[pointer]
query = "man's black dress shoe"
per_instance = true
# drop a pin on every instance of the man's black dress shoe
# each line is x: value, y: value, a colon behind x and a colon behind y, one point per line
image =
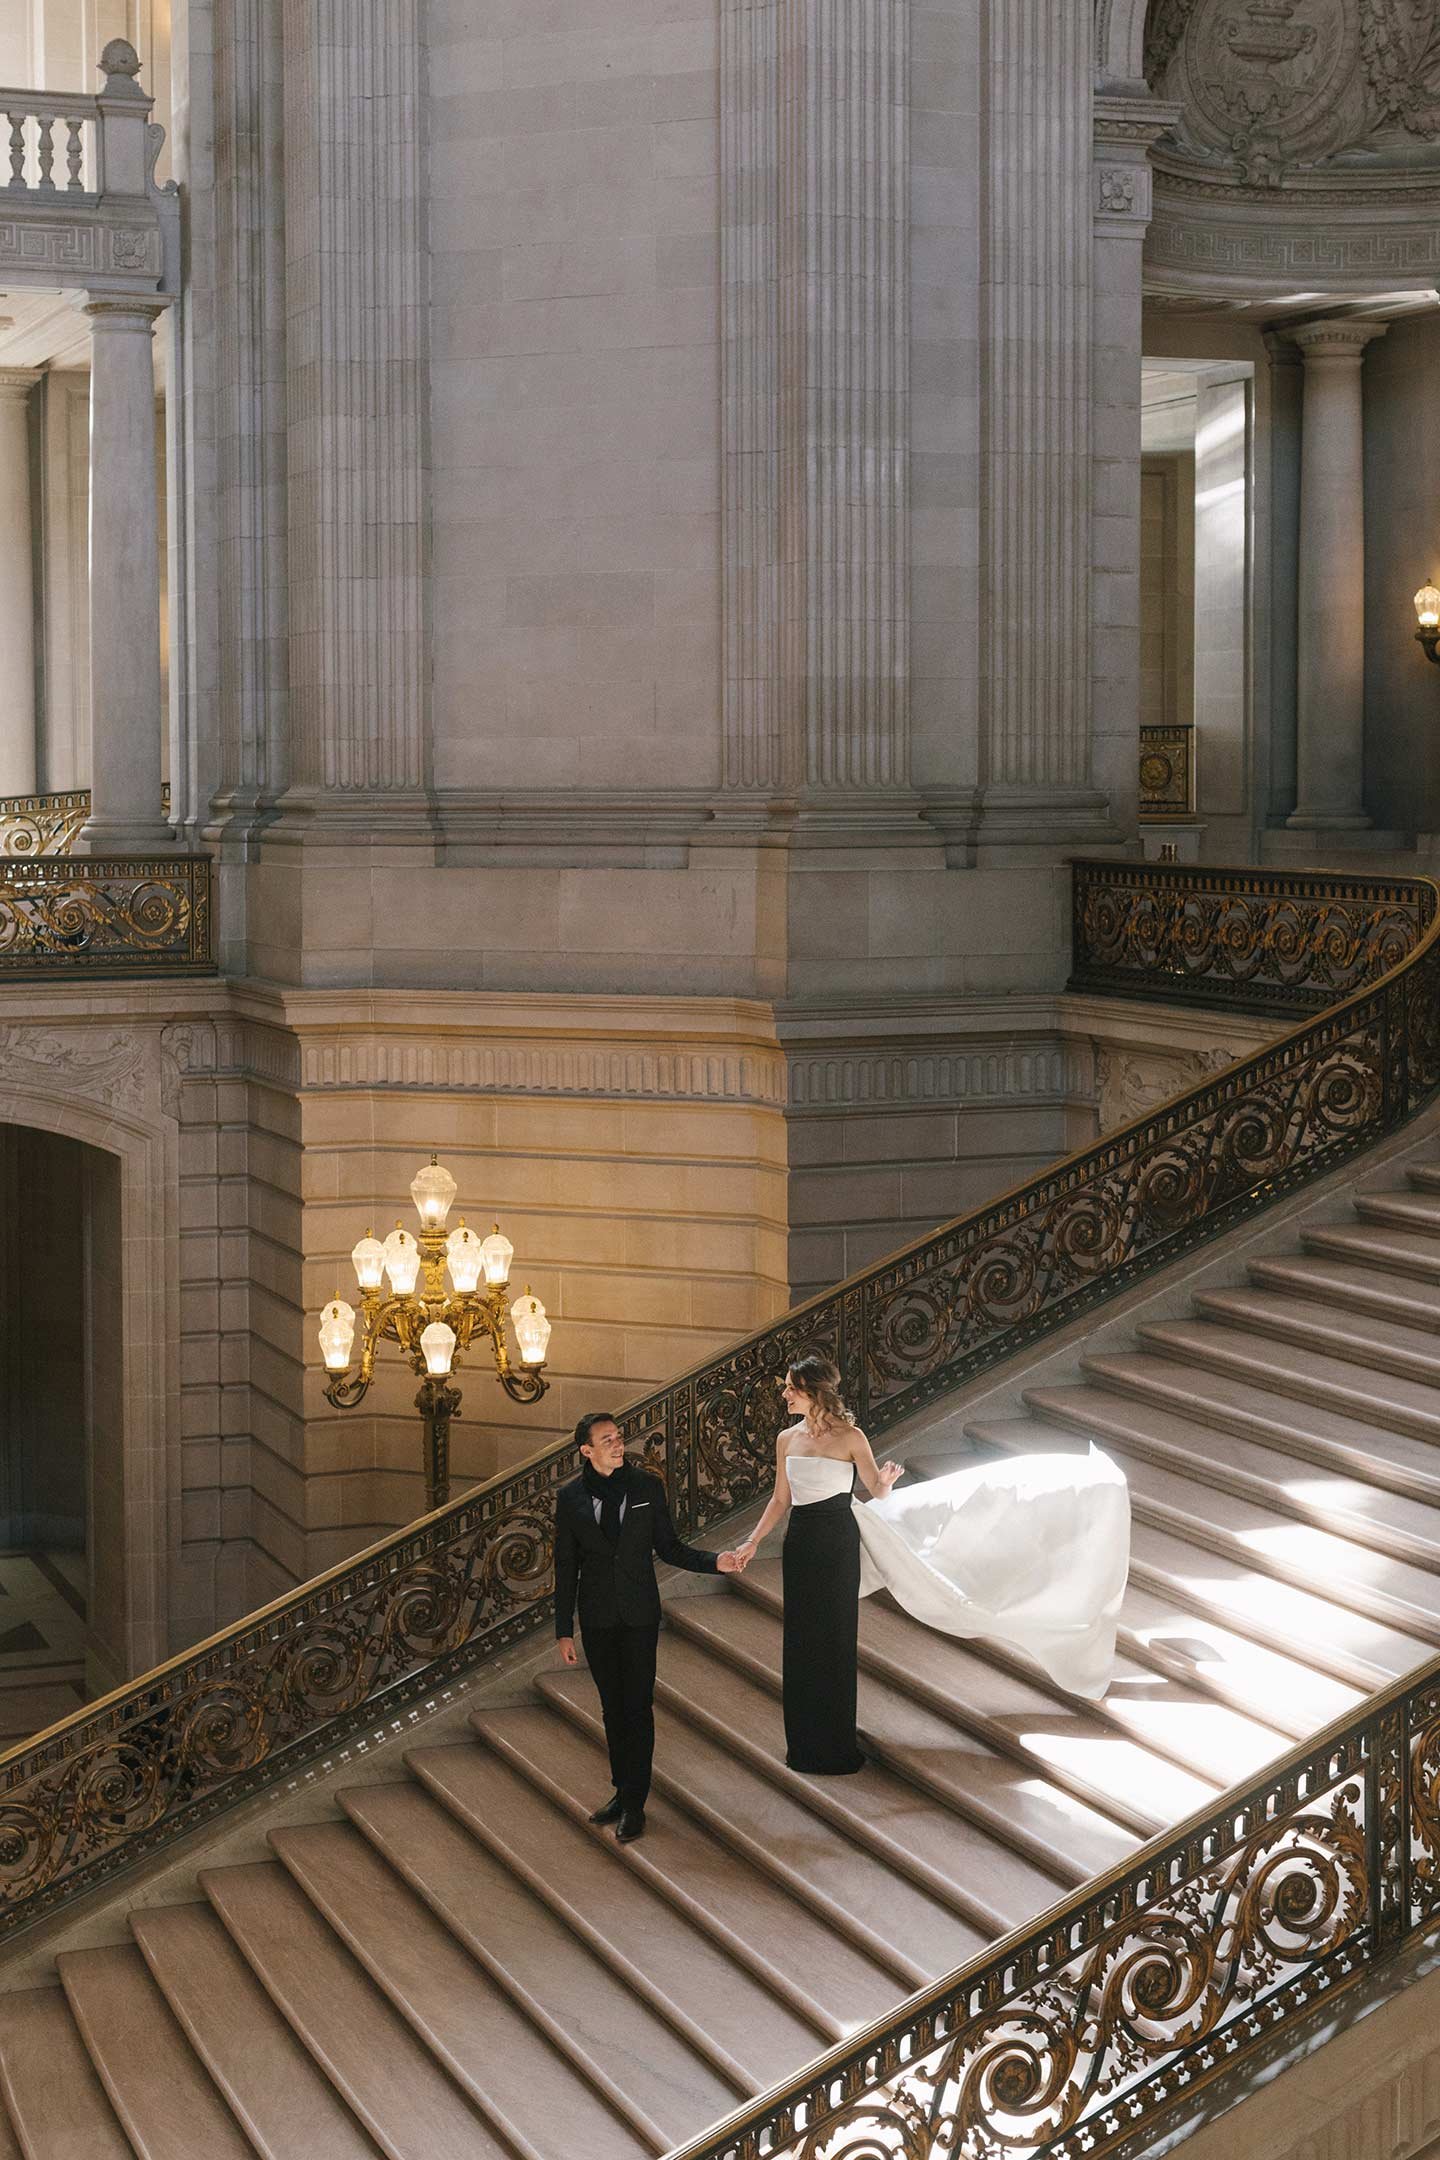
x: 611, y: 1812
x: 632, y: 1825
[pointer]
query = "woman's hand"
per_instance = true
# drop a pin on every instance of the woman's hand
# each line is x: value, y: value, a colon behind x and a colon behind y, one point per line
x: 890, y: 1475
x: 744, y: 1554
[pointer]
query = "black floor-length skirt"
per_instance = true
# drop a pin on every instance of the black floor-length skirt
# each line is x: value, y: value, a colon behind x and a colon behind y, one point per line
x: 821, y: 1566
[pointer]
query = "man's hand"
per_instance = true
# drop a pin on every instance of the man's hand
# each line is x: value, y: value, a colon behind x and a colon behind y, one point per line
x: 732, y: 1563
x: 569, y: 1655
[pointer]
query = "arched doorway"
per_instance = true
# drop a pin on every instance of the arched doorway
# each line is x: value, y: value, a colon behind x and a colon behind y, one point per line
x: 63, y: 1593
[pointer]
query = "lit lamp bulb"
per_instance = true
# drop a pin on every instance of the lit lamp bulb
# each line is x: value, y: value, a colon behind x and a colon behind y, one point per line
x: 438, y: 1343
x: 402, y: 1260
x: 337, y: 1334
x: 499, y: 1252
x: 532, y: 1329
x: 368, y: 1258
x: 433, y: 1190
x: 1427, y: 607
x: 467, y: 1257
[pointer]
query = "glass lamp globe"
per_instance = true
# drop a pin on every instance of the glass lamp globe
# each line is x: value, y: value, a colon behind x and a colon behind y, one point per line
x: 369, y: 1262
x: 499, y: 1252
x: 466, y: 1258
x: 337, y: 1335
x: 532, y: 1329
x: 402, y: 1260
x: 433, y: 1190
x: 438, y: 1343
x: 1427, y: 607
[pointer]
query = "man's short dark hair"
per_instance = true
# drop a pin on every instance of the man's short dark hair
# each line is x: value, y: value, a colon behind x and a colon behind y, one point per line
x: 587, y: 1424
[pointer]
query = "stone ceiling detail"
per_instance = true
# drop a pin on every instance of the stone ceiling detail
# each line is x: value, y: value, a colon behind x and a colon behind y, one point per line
x: 1308, y: 143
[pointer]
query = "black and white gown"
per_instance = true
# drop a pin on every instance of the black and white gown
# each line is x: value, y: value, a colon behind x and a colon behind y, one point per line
x: 1033, y: 1551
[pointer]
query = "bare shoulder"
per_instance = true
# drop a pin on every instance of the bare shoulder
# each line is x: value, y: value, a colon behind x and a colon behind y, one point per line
x: 784, y: 1438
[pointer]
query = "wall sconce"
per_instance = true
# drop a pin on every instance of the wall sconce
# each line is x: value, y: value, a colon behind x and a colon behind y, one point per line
x: 1427, y: 607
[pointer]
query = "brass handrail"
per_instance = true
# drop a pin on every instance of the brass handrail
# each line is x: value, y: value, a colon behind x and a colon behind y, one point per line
x: 108, y: 1787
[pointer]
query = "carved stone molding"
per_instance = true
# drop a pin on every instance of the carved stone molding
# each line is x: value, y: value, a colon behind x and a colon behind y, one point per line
x: 986, y: 1076
x: 115, y: 1066
x: 534, y: 1068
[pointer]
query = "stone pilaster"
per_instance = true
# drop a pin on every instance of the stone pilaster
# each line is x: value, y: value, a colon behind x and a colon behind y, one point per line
x: 17, y: 586
x: 1331, y: 631
x: 816, y: 425
x: 355, y: 302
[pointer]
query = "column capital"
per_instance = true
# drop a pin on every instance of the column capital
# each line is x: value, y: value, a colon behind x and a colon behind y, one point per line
x: 107, y: 309
x: 16, y: 383
x: 1339, y: 337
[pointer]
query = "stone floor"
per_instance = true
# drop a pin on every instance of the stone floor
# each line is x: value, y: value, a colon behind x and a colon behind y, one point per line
x: 42, y: 1640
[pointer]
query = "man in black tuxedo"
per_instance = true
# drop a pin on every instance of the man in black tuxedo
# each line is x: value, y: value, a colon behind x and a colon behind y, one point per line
x: 609, y: 1525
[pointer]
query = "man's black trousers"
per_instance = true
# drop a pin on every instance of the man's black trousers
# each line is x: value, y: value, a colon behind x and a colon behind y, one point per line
x: 622, y: 1660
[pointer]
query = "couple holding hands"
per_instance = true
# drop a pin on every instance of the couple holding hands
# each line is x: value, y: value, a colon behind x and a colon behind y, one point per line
x: 1033, y: 1550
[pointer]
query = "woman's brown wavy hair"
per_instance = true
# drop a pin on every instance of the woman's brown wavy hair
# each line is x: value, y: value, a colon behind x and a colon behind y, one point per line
x: 821, y: 1382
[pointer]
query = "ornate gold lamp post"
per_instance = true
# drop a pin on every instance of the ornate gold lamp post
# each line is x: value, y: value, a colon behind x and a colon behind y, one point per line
x: 434, y: 1326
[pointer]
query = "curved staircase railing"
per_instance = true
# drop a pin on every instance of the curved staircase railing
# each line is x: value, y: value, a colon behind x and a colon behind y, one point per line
x: 1177, y: 1953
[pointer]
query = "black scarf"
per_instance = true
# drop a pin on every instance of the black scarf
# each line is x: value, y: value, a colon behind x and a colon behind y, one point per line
x: 610, y: 1492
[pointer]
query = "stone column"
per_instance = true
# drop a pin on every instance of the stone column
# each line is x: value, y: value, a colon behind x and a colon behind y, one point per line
x: 1331, y: 663
x: 127, y: 714
x: 815, y: 251
x: 17, y: 587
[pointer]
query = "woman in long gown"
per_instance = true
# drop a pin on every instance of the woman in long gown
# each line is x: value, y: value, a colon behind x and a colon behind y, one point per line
x: 815, y: 1464
x: 1032, y: 1550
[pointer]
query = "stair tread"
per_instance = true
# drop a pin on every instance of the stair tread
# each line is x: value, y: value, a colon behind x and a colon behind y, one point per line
x: 1271, y: 1418
x: 773, y: 1825
x: 1221, y: 1745
x: 1406, y: 1346
x: 1283, y: 1366
x: 1351, y: 1506
x: 1341, y: 1281
x: 947, y: 1762
x: 56, y: 2101
x: 9, y: 2143
x: 1057, y: 1737
x: 1251, y: 1673
x: 1415, y: 1209
x: 157, y: 2085
x: 402, y: 2095
x: 805, y: 1949
x: 1406, y: 1596
x: 1413, y: 1254
x: 616, y: 2030
x: 274, y: 2088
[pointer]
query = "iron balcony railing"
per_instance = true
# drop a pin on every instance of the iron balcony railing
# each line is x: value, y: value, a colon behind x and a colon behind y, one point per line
x: 104, y: 916
x: 1072, y: 2034
x: 49, y: 824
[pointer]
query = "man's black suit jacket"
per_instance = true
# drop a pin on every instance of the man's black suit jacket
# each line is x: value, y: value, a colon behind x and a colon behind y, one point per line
x: 614, y: 1585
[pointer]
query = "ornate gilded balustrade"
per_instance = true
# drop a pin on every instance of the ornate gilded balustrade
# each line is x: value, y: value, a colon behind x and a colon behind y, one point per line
x: 42, y: 824
x: 1278, y: 941
x: 1083, y: 2026
x: 99, y: 915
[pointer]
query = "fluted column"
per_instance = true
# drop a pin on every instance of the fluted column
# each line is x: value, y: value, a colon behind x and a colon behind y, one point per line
x: 1038, y: 241
x: 1331, y: 631
x: 355, y: 388
x: 17, y: 587
x: 127, y: 715
x: 815, y: 170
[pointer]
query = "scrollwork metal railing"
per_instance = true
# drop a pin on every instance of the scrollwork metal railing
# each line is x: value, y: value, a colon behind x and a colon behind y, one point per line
x: 104, y: 916
x: 1059, y: 2041
x: 42, y: 824
x: 1278, y: 941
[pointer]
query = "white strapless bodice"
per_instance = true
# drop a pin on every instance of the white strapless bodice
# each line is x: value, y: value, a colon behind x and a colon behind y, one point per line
x: 817, y: 1477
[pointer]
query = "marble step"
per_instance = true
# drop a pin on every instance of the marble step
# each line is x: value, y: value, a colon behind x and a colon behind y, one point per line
x: 274, y: 2089
x: 487, y: 2043
x: 1405, y: 1348
x: 52, y: 2092
x: 157, y: 2085
x: 1265, y: 1542
x: 1168, y: 1637
x: 921, y: 1689
x: 969, y: 1840
x: 1425, y: 1177
x: 784, y: 1928
x: 1190, y: 1551
x: 10, y: 2148
x: 983, y: 1680
x: 1352, y: 1286
x: 1353, y: 1447
x: 605, y: 2012
x: 1280, y: 1368
x: 386, y: 2076
x: 1338, y: 1502
x: 773, y: 1825
x: 1412, y: 1253
x: 1401, y: 1210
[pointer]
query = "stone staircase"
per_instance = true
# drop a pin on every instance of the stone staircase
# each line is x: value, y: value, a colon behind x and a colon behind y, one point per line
x: 457, y: 1965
